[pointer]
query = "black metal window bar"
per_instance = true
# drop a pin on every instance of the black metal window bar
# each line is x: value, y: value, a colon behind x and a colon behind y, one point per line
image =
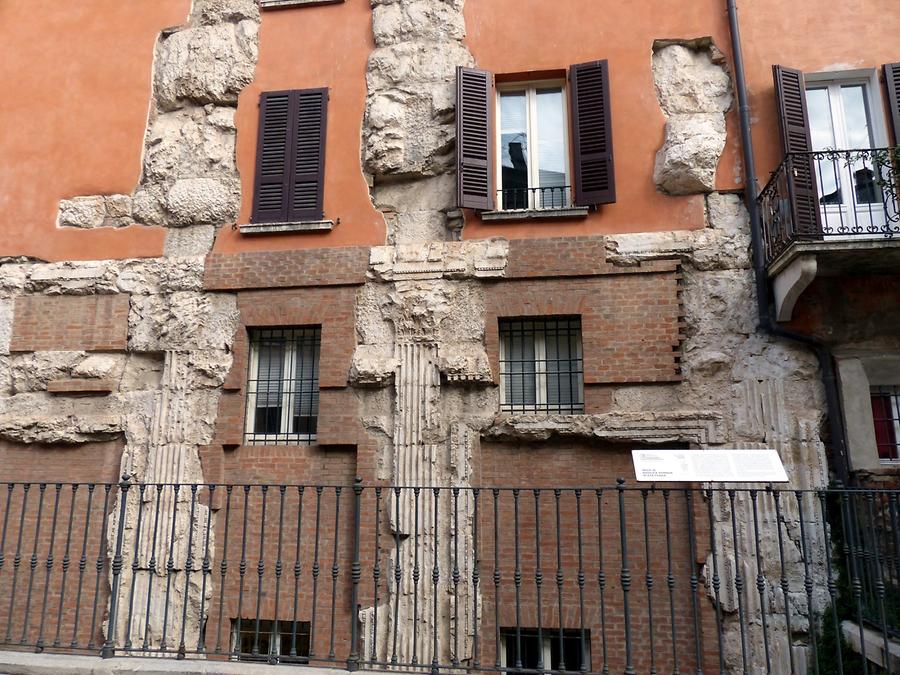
x: 615, y: 578
x: 855, y: 197
x: 541, y: 365
x: 283, y: 386
x: 886, y: 416
x: 535, y: 198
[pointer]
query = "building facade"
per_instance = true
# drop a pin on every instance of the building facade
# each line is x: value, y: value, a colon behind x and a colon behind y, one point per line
x: 474, y: 251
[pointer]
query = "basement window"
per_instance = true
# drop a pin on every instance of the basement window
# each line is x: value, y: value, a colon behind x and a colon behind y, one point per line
x: 541, y: 365
x: 886, y: 416
x: 270, y: 641
x: 549, y: 649
x: 283, y: 386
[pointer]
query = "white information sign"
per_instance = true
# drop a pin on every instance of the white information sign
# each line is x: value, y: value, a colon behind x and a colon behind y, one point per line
x: 725, y: 466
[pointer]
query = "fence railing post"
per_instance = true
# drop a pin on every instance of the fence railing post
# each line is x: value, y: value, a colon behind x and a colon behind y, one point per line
x: 109, y: 648
x: 355, y: 574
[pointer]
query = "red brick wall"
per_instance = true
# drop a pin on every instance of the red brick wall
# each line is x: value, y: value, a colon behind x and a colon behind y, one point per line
x: 576, y: 465
x: 629, y: 323
x: 279, y: 269
x: 64, y: 322
x: 333, y: 308
x: 86, y: 462
x: 570, y: 256
x: 64, y: 530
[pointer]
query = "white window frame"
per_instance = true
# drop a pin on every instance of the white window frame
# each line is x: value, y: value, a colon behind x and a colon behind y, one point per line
x: 287, y: 398
x: 832, y: 82
x: 530, y: 88
x: 540, y: 363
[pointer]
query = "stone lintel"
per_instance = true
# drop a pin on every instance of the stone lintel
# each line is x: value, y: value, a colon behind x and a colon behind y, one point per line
x: 536, y: 214
x: 702, y: 427
x: 273, y: 228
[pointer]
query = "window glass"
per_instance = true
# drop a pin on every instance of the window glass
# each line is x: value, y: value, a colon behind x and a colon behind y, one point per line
x: 551, y: 134
x: 541, y: 365
x: 283, y: 386
x: 856, y: 116
x: 514, y: 149
x: 821, y: 131
x: 886, y: 416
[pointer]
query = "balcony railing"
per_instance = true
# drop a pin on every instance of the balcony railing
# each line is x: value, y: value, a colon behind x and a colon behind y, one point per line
x: 599, y: 579
x: 831, y: 195
x: 535, y: 198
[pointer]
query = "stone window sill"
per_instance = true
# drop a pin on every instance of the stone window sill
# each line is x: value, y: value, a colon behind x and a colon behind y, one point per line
x: 279, y: 4
x: 303, y: 226
x: 536, y: 214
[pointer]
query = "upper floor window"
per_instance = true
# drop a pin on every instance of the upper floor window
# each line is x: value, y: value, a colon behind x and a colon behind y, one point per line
x: 541, y: 365
x: 516, y: 136
x: 290, y: 159
x: 283, y: 386
x: 838, y: 175
x: 533, y: 153
x: 886, y: 416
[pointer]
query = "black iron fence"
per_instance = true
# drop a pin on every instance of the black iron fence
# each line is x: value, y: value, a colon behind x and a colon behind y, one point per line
x: 603, y: 579
x: 831, y: 195
x: 535, y: 198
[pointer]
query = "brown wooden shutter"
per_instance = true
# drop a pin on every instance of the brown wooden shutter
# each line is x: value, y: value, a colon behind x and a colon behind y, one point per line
x: 892, y: 82
x: 790, y: 96
x: 308, y: 175
x: 595, y: 181
x: 473, y: 138
x: 273, y: 150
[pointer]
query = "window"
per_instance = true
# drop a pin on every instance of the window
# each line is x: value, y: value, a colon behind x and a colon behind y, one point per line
x: 541, y: 365
x: 289, y: 643
x: 290, y: 156
x: 529, y: 652
x: 886, y: 416
x: 533, y: 150
x: 516, y: 137
x: 843, y: 116
x: 283, y: 386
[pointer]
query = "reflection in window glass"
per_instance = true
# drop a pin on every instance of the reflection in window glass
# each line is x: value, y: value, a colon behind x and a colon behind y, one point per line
x: 514, y: 149
x: 856, y: 117
x: 821, y: 131
x: 551, y: 147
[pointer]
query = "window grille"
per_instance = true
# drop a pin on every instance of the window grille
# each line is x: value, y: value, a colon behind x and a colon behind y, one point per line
x: 283, y: 386
x: 541, y: 365
x: 253, y: 640
x: 886, y: 415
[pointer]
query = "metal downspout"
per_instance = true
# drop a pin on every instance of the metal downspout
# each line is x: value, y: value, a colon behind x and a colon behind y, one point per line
x: 766, y: 319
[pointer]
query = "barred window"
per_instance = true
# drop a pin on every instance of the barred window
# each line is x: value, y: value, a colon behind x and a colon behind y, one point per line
x: 264, y: 640
x: 541, y: 365
x: 283, y: 386
x: 886, y: 415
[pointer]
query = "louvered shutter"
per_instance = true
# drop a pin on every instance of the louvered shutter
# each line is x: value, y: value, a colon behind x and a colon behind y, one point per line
x: 790, y: 96
x: 595, y: 181
x: 272, y: 185
x: 308, y: 170
x: 473, y: 139
x: 892, y: 81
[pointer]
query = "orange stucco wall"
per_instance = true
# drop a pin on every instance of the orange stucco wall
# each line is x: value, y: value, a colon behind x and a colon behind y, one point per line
x: 77, y: 83
x: 306, y: 47
x: 813, y: 37
x: 513, y: 36
x: 76, y: 89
